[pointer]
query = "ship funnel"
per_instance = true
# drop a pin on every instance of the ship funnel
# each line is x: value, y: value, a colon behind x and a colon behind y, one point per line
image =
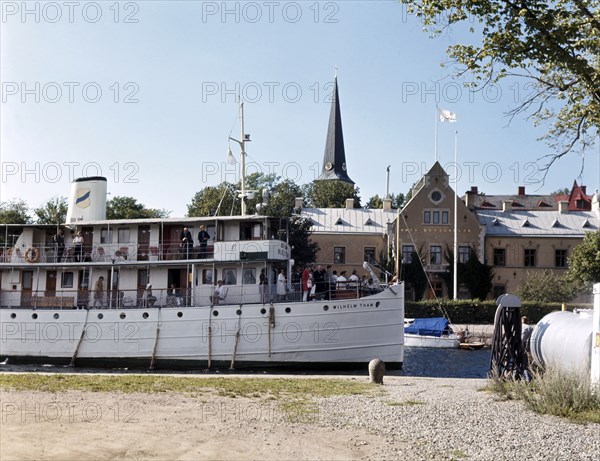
x: 87, y: 200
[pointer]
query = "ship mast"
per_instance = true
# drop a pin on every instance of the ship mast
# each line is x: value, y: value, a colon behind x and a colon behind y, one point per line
x: 242, y: 142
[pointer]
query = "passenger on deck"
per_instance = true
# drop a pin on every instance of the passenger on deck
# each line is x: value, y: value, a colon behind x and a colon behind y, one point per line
x: 187, y: 243
x: 219, y: 294
x: 150, y: 299
x: 203, y: 238
x: 99, y: 292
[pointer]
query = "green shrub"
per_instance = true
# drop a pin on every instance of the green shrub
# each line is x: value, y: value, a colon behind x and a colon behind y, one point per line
x: 479, y: 312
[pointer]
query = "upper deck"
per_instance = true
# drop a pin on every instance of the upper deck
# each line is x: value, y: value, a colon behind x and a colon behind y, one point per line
x: 233, y: 238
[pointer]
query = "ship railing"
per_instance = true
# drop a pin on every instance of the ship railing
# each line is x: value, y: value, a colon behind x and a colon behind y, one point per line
x: 204, y: 295
x: 112, y: 252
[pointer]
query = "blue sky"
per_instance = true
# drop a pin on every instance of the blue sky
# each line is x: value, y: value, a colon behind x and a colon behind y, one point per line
x: 143, y: 93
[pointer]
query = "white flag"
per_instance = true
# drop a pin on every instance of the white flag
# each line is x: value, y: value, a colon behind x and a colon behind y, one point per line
x: 230, y: 158
x: 446, y: 116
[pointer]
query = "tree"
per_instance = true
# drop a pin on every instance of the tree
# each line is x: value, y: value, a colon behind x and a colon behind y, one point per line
x: 377, y: 202
x: 414, y: 274
x: 563, y: 191
x: 554, y: 45
x: 304, y: 250
x: 477, y: 276
x: 53, y: 212
x: 14, y: 212
x: 218, y: 200
x: 129, y: 208
x: 544, y: 286
x: 281, y: 199
x: 584, y: 262
x: 331, y: 194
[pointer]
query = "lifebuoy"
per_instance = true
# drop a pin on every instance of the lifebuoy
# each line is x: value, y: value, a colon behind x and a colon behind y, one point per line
x: 32, y: 255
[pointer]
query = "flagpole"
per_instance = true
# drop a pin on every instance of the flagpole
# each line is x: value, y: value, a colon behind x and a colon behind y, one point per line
x: 436, y: 133
x: 455, y: 286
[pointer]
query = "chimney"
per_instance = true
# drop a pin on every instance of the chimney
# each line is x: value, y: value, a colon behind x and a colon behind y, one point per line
x: 470, y: 197
x: 506, y: 205
x: 563, y: 206
x: 521, y: 191
x: 387, y: 204
x: 298, y: 203
x: 349, y: 203
x: 583, y: 188
x: 87, y: 200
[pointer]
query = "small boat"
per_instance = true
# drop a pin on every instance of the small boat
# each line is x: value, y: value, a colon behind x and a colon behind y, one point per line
x: 430, y: 332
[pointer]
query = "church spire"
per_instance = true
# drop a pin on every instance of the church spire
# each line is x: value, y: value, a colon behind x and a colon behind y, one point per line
x: 334, y: 159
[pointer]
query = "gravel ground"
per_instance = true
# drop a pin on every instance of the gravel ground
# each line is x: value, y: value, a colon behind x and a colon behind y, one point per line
x: 412, y: 419
x: 454, y: 419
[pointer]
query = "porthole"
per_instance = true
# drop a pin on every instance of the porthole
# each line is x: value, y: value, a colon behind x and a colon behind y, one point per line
x: 216, y: 313
x: 145, y: 315
x: 238, y: 312
x: 263, y: 311
x: 122, y: 316
x: 100, y: 316
x: 288, y: 310
x: 13, y: 316
x: 34, y: 316
x: 325, y: 307
x: 179, y: 314
x: 56, y: 316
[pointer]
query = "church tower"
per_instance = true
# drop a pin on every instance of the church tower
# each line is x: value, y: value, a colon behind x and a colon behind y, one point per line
x: 334, y: 158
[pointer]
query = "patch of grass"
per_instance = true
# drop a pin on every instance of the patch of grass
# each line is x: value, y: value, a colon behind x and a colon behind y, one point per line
x: 458, y: 454
x: 294, y: 395
x: 556, y: 392
x: 405, y: 403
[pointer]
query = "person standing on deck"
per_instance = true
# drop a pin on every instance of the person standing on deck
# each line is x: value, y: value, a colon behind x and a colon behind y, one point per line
x: 59, y: 242
x: 203, y: 238
x: 187, y: 243
x: 281, y: 288
x: 99, y: 291
x: 78, y: 243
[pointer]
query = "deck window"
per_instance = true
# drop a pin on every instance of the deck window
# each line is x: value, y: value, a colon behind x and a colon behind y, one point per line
x: 207, y: 276
x: 123, y: 235
x: 249, y: 276
x: 106, y: 236
x: 229, y: 276
x: 67, y: 280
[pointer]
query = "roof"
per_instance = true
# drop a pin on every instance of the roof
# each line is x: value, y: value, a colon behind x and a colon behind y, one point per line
x: 346, y: 221
x: 538, y: 223
x: 523, y: 202
x: 334, y: 158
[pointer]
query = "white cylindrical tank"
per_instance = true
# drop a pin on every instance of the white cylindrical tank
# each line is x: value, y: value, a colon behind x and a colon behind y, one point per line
x: 87, y: 200
x: 563, y: 339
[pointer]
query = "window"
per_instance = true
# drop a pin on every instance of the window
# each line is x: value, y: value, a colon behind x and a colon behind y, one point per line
x: 229, y: 276
x: 249, y: 276
x: 436, y: 217
x: 339, y: 255
x: 499, y: 257
x: 463, y: 254
x: 207, y: 276
x: 529, y: 257
x: 123, y: 235
x: 435, y: 254
x: 499, y: 290
x: 560, y: 258
x: 370, y: 255
x: 106, y: 235
x: 407, y: 251
x: 67, y: 280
